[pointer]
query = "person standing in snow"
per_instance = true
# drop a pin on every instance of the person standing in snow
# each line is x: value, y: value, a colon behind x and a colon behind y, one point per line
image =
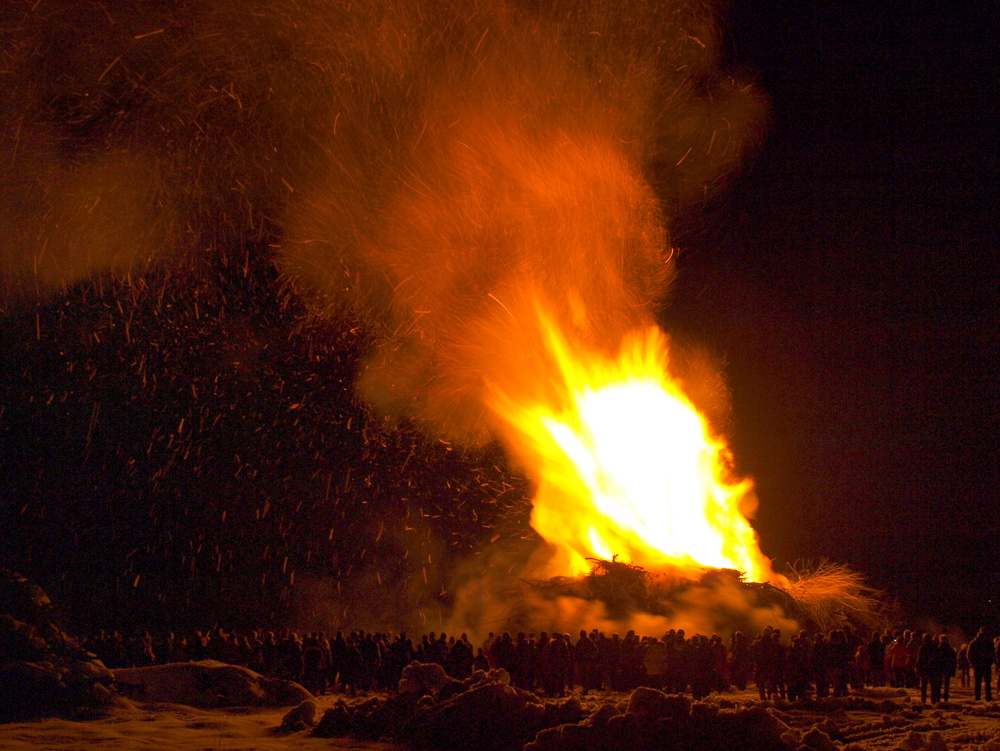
x: 949, y: 662
x: 981, y: 658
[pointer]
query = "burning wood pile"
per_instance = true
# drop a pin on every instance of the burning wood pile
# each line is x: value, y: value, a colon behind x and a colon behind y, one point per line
x: 626, y: 589
x: 617, y: 596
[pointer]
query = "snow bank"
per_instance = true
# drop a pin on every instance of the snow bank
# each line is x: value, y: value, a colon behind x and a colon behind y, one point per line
x: 207, y: 684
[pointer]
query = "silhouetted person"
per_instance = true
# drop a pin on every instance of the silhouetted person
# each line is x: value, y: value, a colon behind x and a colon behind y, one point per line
x: 930, y: 669
x: 460, y: 659
x: 739, y: 663
x: 503, y: 653
x: 798, y: 668
x: 996, y: 650
x: 556, y: 662
x: 702, y: 667
x: 981, y: 658
x: 949, y: 664
x: 963, y: 665
x: 315, y: 664
x: 876, y: 658
x: 481, y: 661
x: 655, y: 661
x: 838, y: 660
x: 720, y: 666
x: 587, y: 668
x: 898, y: 657
x: 522, y: 668
x: 821, y: 665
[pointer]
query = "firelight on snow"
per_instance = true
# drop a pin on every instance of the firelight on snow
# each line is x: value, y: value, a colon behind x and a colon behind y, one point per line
x: 626, y: 466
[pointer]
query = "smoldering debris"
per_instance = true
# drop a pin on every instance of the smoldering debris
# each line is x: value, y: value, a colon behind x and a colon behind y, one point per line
x: 615, y: 597
x: 625, y: 589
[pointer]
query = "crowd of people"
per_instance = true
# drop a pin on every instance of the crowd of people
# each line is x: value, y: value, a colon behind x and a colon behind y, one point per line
x: 817, y: 664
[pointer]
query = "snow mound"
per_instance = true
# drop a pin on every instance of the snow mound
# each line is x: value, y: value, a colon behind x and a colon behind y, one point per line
x: 485, y: 713
x: 207, y: 684
x: 44, y: 672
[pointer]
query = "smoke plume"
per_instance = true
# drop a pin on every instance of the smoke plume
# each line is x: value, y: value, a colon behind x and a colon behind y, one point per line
x: 429, y: 169
x: 435, y: 172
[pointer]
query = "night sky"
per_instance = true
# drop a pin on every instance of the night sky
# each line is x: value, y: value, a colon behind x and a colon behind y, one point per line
x: 850, y: 282
x: 197, y: 454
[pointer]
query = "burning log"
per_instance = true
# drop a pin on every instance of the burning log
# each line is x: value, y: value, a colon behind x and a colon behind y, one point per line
x: 621, y: 586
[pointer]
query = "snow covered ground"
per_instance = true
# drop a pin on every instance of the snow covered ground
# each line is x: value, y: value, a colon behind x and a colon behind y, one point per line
x: 962, y: 725
x: 173, y: 727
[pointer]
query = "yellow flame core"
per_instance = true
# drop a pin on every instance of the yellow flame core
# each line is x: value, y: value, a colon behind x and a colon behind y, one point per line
x: 626, y: 466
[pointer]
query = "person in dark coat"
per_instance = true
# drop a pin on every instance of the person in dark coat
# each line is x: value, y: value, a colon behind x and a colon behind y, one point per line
x: 481, y: 661
x: 981, y: 658
x: 524, y: 662
x: 587, y: 668
x: 876, y: 658
x: 557, y: 659
x: 739, y: 661
x: 930, y: 668
x: 675, y: 678
x: 838, y: 660
x: 315, y: 664
x: 760, y: 655
x: 398, y: 655
x: 460, y: 658
x: 503, y: 653
x: 949, y: 664
x: 702, y: 667
x: 632, y: 667
x: 963, y: 665
x: 996, y: 649
x: 821, y: 665
x: 798, y: 668
x: 610, y: 651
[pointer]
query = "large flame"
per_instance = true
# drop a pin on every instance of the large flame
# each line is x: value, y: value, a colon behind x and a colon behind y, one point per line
x: 626, y: 466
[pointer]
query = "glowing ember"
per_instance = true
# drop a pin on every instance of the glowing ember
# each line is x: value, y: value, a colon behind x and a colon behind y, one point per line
x: 626, y: 466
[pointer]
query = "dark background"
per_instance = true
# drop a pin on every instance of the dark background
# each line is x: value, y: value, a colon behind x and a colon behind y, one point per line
x: 199, y: 457
x: 850, y: 280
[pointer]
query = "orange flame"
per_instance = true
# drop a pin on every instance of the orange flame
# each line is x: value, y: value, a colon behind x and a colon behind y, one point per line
x: 626, y: 466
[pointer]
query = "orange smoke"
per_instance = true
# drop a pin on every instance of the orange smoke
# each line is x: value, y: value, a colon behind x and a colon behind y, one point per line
x: 486, y: 190
x: 625, y: 464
